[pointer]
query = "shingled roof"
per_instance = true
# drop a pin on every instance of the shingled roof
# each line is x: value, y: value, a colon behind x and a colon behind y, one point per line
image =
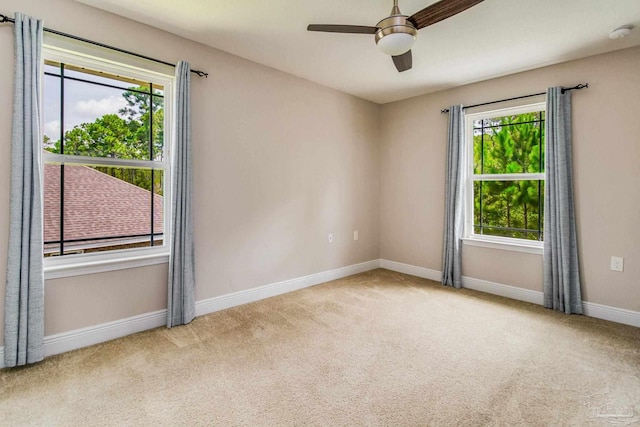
x: 96, y: 205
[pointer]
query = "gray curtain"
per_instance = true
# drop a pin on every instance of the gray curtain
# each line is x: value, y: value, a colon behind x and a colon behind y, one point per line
x: 24, y: 294
x: 181, y: 298
x: 454, y: 199
x: 561, y: 272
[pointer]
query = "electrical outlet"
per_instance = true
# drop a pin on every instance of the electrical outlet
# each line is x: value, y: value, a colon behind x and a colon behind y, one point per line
x: 617, y: 263
x: 330, y: 238
x: 355, y: 235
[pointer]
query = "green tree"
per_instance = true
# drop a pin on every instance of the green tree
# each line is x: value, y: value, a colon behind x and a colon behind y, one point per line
x: 107, y: 136
x: 138, y: 112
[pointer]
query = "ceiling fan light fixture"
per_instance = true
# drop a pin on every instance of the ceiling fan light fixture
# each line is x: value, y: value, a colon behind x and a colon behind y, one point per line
x: 395, y: 35
x: 395, y: 44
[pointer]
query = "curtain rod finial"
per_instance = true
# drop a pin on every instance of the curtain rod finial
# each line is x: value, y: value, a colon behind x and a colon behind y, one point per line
x: 3, y: 19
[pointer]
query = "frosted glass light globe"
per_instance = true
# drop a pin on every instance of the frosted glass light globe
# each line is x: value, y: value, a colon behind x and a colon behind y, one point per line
x: 396, y: 43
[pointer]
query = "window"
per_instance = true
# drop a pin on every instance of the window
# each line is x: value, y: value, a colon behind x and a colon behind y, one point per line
x: 106, y: 159
x: 505, y: 192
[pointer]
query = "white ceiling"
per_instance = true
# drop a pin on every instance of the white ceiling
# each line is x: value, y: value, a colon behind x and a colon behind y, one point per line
x: 494, y: 38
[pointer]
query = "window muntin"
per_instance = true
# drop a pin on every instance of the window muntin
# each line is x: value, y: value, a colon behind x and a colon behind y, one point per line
x: 506, y: 174
x: 106, y: 159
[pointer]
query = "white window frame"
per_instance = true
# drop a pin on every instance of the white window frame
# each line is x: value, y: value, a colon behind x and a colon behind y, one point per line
x: 482, y: 240
x: 81, y: 54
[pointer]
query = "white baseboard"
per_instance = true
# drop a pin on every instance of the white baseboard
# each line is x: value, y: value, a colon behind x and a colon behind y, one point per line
x: 513, y: 292
x: 614, y: 314
x: 222, y: 302
x: 78, y: 338
x: 599, y: 311
x: 412, y: 270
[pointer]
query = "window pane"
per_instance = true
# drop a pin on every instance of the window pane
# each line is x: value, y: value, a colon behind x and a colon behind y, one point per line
x: 509, y: 144
x: 96, y: 123
x: 158, y: 205
x: 105, y: 208
x: 158, y: 127
x: 508, y: 208
x: 145, y: 123
x: 51, y: 210
x: 51, y: 110
x: 102, y: 121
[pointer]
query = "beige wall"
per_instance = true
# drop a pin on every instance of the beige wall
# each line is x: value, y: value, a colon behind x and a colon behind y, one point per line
x: 279, y: 162
x: 606, y: 166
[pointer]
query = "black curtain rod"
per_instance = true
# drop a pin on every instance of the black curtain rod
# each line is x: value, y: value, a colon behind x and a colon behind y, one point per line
x: 4, y: 18
x: 564, y: 89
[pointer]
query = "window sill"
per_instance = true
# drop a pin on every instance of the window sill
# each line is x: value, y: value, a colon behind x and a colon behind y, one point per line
x: 516, y: 245
x: 80, y: 268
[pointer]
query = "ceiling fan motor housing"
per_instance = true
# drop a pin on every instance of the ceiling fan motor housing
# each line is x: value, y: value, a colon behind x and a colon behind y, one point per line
x: 395, y: 35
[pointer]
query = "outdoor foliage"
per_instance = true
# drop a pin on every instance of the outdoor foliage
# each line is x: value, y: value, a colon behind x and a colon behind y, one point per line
x: 125, y: 135
x: 508, y: 145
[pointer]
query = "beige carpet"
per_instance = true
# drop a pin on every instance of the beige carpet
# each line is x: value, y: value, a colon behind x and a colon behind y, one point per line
x: 375, y: 349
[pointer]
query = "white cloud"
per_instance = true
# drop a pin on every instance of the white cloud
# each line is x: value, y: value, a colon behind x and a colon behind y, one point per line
x: 87, y: 111
x: 52, y: 129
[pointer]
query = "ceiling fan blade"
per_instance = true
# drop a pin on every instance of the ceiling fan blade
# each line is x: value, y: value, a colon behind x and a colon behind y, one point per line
x: 403, y: 62
x: 350, y: 29
x: 441, y: 10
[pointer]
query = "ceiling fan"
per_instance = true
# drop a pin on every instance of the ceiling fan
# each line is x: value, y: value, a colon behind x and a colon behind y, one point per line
x: 396, y: 34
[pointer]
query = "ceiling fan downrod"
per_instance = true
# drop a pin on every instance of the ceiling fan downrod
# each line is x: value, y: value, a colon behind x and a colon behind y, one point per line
x: 395, y: 10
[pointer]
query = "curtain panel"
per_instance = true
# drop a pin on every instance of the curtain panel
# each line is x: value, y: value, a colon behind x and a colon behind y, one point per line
x: 561, y: 269
x: 24, y: 292
x: 454, y: 199
x: 181, y: 287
